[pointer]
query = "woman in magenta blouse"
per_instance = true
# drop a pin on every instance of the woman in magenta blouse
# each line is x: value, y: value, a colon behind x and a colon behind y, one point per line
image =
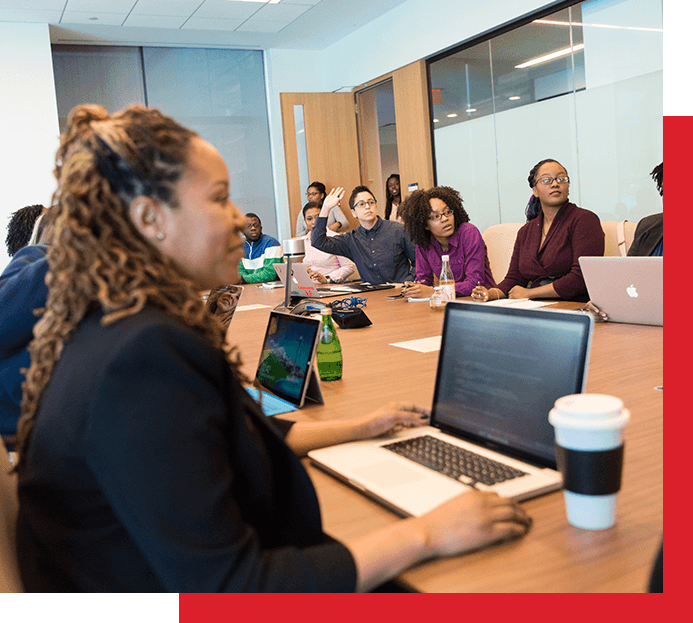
x: 438, y: 225
x: 544, y: 264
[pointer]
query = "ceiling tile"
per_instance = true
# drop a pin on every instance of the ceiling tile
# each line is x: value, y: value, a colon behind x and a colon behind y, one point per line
x: 30, y: 16
x: 100, y: 6
x: 228, y: 10
x: 155, y: 21
x: 36, y: 5
x: 282, y: 12
x: 255, y: 25
x: 104, y: 19
x: 203, y: 23
x: 183, y: 8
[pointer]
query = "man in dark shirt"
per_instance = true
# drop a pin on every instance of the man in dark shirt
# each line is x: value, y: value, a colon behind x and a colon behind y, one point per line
x: 380, y: 249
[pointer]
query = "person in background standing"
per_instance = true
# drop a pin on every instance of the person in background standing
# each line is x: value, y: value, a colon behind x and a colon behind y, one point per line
x: 393, y: 198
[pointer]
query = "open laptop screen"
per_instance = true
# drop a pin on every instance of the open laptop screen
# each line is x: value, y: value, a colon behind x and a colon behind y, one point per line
x: 500, y: 370
x: 287, y: 355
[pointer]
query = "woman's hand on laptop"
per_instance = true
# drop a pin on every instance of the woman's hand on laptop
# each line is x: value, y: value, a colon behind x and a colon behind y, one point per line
x: 471, y: 521
x: 306, y: 436
x: 390, y: 419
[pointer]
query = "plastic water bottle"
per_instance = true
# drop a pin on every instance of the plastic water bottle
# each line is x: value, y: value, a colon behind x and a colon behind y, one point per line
x: 437, y: 302
x: 329, y: 352
x: 447, y: 280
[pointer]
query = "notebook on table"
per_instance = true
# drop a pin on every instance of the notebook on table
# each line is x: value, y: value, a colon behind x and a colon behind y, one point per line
x: 301, y: 283
x: 500, y: 370
x: 629, y: 289
x: 286, y: 371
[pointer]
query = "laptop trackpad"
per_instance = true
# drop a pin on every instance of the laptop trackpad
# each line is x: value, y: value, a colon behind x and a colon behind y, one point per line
x: 388, y: 474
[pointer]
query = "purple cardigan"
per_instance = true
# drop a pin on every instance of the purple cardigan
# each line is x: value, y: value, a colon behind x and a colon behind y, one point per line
x: 468, y: 260
x: 574, y: 232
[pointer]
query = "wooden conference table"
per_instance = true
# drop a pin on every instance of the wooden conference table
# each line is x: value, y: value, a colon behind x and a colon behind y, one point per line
x: 626, y: 361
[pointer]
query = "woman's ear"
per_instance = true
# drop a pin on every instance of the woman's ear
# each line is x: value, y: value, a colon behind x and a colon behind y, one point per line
x: 149, y: 217
x: 534, y: 191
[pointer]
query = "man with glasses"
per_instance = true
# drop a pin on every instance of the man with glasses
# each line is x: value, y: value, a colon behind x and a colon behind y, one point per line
x: 381, y: 250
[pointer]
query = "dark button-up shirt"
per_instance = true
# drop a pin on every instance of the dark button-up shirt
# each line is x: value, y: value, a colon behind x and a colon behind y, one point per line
x: 382, y: 254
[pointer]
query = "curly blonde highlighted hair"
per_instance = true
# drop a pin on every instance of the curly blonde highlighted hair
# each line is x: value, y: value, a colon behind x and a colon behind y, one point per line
x: 97, y: 257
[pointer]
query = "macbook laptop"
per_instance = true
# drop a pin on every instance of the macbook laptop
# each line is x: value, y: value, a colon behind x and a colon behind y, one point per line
x: 500, y: 370
x: 629, y: 289
x: 302, y: 285
x: 286, y: 371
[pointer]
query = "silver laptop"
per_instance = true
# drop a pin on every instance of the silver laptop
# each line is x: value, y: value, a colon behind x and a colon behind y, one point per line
x: 301, y: 283
x: 286, y: 370
x: 500, y: 370
x: 629, y: 289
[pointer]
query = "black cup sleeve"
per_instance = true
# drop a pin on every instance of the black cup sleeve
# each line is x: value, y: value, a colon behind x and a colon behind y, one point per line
x: 590, y: 472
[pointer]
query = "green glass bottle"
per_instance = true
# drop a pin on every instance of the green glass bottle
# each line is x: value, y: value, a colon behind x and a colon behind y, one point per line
x: 329, y: 352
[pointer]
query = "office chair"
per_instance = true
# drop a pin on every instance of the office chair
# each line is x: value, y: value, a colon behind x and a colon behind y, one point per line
x: 500, y: 240
x: 618, y: 236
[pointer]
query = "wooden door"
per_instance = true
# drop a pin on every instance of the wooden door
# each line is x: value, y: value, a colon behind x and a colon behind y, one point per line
x: 331, y: 145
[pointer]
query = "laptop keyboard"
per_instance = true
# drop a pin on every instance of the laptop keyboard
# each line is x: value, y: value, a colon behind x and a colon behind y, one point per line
x: 453, y: 461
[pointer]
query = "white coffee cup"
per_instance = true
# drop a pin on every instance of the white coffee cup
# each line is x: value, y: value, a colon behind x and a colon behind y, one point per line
x: 589, y: 453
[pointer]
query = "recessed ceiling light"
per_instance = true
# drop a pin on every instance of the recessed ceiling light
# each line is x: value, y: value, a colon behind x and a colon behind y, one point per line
x: 552, y: 56
x: 435, y: 120
x: 452, y: 114
x: 470, y: 110
x: 514, y: 97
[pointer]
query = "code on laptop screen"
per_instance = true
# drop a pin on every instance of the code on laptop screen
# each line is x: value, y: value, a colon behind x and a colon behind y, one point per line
x: 501, y: 370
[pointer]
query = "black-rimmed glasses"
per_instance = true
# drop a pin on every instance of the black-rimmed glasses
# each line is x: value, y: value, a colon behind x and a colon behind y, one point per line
x: 363, y: 204
x: 436, y: 216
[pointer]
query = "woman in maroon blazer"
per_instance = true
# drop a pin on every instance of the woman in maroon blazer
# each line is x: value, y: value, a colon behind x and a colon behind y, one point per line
x: 544, y: 264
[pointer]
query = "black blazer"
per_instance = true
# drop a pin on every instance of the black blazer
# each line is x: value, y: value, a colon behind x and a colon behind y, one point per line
x: 648, y: 234
x: 151, y: 469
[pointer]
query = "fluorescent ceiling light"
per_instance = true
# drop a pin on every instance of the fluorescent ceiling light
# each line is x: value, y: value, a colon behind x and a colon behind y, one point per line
x: 452, y: 114
x: 435, y: 121
x: 470, y: 110
x: 514, y: 97
x: 552, y: 56
x: 554, y: 22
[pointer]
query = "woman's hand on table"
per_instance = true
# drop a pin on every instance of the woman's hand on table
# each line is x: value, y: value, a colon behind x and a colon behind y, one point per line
x: 416, y: 290
x: 315, y: 276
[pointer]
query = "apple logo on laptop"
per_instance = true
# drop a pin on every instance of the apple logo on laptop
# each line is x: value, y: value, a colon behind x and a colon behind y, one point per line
x: 632, y: 291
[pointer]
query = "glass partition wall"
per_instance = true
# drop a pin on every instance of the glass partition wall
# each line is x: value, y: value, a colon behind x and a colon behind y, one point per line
x: 218, y: 93
x: 582, y: 85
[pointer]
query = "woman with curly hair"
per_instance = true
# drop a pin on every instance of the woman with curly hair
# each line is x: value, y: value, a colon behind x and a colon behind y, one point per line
x: 544, y: 263
x: 144, y: 465
x: 438, y: 225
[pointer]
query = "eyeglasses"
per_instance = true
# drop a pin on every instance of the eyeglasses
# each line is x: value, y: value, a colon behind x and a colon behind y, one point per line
x: 436, y: 216
x: 313, y: 193
x: 564, y: 179
x: 363, y: 204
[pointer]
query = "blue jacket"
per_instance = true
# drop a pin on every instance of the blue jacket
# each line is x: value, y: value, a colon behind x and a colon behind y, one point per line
x: 259, y: 257
x: 22, y: 290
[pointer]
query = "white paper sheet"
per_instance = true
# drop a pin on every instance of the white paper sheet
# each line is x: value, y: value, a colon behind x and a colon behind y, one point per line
x: 424, y: 345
